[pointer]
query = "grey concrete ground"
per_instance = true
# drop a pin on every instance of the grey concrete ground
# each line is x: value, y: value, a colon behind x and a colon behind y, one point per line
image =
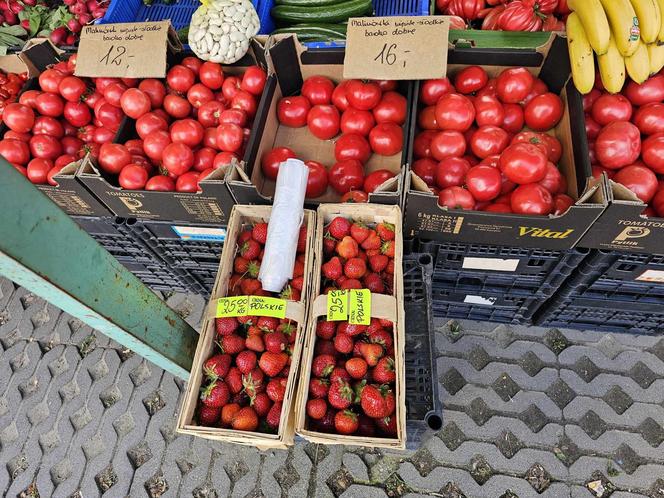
x: 527, y: 412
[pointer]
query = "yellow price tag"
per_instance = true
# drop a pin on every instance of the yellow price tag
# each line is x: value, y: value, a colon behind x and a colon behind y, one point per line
x: 267, y: 306
x: 232, y: 306
x: 337, y: 305
x: 360, y: 307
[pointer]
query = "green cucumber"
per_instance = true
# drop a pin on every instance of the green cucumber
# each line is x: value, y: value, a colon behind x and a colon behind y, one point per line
x: 306, y: 3
x: 323, y: 14
x: 317, y: 31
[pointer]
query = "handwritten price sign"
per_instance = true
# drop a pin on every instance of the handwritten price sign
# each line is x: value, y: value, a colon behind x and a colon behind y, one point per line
x: 352, y: 305
x: 250, y: 305
x: 396, y: 48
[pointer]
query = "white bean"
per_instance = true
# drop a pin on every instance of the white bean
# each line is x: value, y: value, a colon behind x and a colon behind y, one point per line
x: 223, y: 43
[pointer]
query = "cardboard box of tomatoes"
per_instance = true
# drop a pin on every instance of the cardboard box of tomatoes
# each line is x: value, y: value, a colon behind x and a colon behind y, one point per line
x: 60, y: 185
x: 245, y: 369
x: 358, y: 153
x: 505, y: 163
x: 213, y: 132
x: 352, y: 385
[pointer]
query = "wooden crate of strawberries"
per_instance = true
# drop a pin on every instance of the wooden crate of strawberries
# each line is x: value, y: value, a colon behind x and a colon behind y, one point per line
x: 245, y: 368
x: 352, y: 385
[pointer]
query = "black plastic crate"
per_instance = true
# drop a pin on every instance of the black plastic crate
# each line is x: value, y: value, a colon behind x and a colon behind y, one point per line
x: 514, y: 310
x: 423, y: 404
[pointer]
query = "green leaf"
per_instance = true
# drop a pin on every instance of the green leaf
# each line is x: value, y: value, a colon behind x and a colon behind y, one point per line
x: 15, y: 30
x: 35, y: 22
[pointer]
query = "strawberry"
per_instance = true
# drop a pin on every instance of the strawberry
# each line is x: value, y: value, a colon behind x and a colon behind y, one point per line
x: 234, y: 284
x: 387, y: 425
x: 247, y: 320
x: 389, y: 269
x: 382, y: 337
x: 326, y: 424
x: 253, y: 383
x: 316, y: 408
x: 275, y: 342
x: 268, y: 323
x: 240, y: 264
x: 356, y: 368
x: 385, y: 230
x: 250, y: 250
x: 351, y: 283
x: 290, y: 294
x: 272, y: 363
x: 339, y: 227
x: 226, y: 326
x: 351, y: 329
x: 324, y: 347
x: 358, y: 387
x: 322, y: 365
x: 343, y: 343
x: 372, y: 252
x: 339, y: 373
x: 250, y: 286
x: 373, y: 326
x: 371, y: 353
x: 262, y: 404
x: 373, y: 402
x: 208, y: 415
x: 386, y: 323
x: 254, y: 342
x: 328, y: 289
x: 390, y: 399
x: 234, y: 380
x: 289, y: 329
x: 302, y: 239
x: 345, y: 422
x: 276, y: 389
x: 231, y: 344
x: 274, y: 415
x: 374, y: 283
x: 359, y: 231
x: 298, y: 269
x: 387, y: 248
x: 340, y: 395
x: 241, y: 399
x: 259, y: 233
x: 217, y: 366
x: 366, y: 426
x: 216, y: 394
x: 378, y: 262
x: 227, y: 414
x: 329, y: 244
x: 325, y: 329
x: 246, y: 361
x: 244, y: 236
x: 245, y: 420
x: 254, y: 330
x: 333, y: 269
x: 318, y: 388
x: 347, y: 248
x: 363, y: 256
x: 372, y: 241
x: 355, y: 268
x: 383, y: 372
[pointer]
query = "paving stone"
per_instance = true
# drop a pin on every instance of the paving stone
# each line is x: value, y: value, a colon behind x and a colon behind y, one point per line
x: 618, y: 399
x: 560, y: 393
x: 592, y: 424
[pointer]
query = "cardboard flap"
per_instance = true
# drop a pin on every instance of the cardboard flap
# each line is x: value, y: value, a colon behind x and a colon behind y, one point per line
x: 285, y: 55
x: 239, y: 170
x: 38, y: 54
x: 621, y: 193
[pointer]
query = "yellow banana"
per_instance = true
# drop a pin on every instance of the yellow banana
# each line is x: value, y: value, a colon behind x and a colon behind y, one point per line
x: 650, y: 19
x: 594, y: 21
x: 638, y: 65
x: 581, y: 55
x: 656, y: 57
x: 624, y: 25
x: 660, y: 37
x: 612, y: 68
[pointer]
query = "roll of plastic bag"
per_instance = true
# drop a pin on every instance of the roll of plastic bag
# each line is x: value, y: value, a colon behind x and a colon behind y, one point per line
x: 284, y: 227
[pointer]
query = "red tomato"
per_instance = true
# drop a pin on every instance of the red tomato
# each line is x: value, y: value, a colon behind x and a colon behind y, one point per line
x: 323, y: 121
x: 187, y: 182
x: 109, y: 115
x: 498, y: 208
x: 651, y: 91
x: 470, y: 80
x: 592, y: 127
x: 456, y: 198
x: 345, y: 176
x: 148, y: 123
x: 514, y: 119
x: 554, y: 149
x: 49, y: 104
x: 113, y: 93
x: 652, y: 152
x: 352, y: 146
x: 45, y: 125
x: 71, y: 145
x: 133, y: 177
x: 484, y: 182
x: 454, y: 112
x: 155, y: 91
x: 466, y: 9
x: 539, y: 88
x: 489, y: 89
x: 45, y: 147
x: 425, y: 168
x: 639, y: 179
x: 253, y: 80
x: 590, y: 98
x: 230, y: 87
x: 489, y: 141
x: 224, y: 159
x: 72, y: 88
x: 204, y: 158
x: 209, y: 113
x: 23, y: 137
x: 103, y: 136
x: 193, y: 63
x: 234, y: 116
x: 50, y: 79
x: 523, y: 163
x: 187, y: 131
x: 155, y: 143
x: 177, y: 158
x: 339, y: 96
x: 176, y: 106
x: 135, y: 103
x: 28, y: 98
x: 658, y: 202
x: 543, y: 112
x: 15, y: 151
x: 363, y: 96
x: 317, y: 179
x: 18, y: 117
x: 649, y: 119
x: 271, y: 161
x: 561, y: 203
x: 160, y: 183
x: 198, y: 95
x: 489, y: 111
x: 391, y: 109
x: 180, y: 78
x: 432, y: 90
x: 386, y: 85
x: 608, y: 108
x: 519, y: 16
x: 211, y: 75
x: 38, y: 169
x: 229, y: 137
x: 531, y: 199
x: 292, y: 111
x: 77, y: 113
x: 426, y: 119
x: 318, y: 90
x: 618, y: 144
x: 375, y: 179
x: 135, y: 147
x: 552, y: 180
x: 355, y: 121
x: 451, y: 172
x: 514, y: 85
x: 448, y: 144
x: 386, y: 139
x: 244, y: 101
x: 355, y: 196
x: 422, y: 143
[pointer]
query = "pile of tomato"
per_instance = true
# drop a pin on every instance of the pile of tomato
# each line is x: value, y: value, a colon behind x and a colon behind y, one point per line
x: 368, y: 114
x: 626, y: 138
x: 10, y: 86
x: 473, y: 151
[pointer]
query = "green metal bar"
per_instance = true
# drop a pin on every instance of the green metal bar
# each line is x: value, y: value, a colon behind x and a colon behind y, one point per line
x: 45, y: 251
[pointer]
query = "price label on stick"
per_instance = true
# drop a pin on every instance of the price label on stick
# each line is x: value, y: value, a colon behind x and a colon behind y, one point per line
x: 232, y: 306
x: 360, y: 307
x: 337, y: 305
x: 127, y: 50
x: 396, y: 48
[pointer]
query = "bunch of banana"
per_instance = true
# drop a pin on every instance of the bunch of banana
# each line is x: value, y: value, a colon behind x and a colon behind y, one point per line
x: 626, y: 35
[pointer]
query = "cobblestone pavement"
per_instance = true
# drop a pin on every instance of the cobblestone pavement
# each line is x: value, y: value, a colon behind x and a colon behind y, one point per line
x: 527, y: 412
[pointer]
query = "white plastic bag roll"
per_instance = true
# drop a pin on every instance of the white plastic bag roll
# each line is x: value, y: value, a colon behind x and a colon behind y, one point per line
x: 284, y: 227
